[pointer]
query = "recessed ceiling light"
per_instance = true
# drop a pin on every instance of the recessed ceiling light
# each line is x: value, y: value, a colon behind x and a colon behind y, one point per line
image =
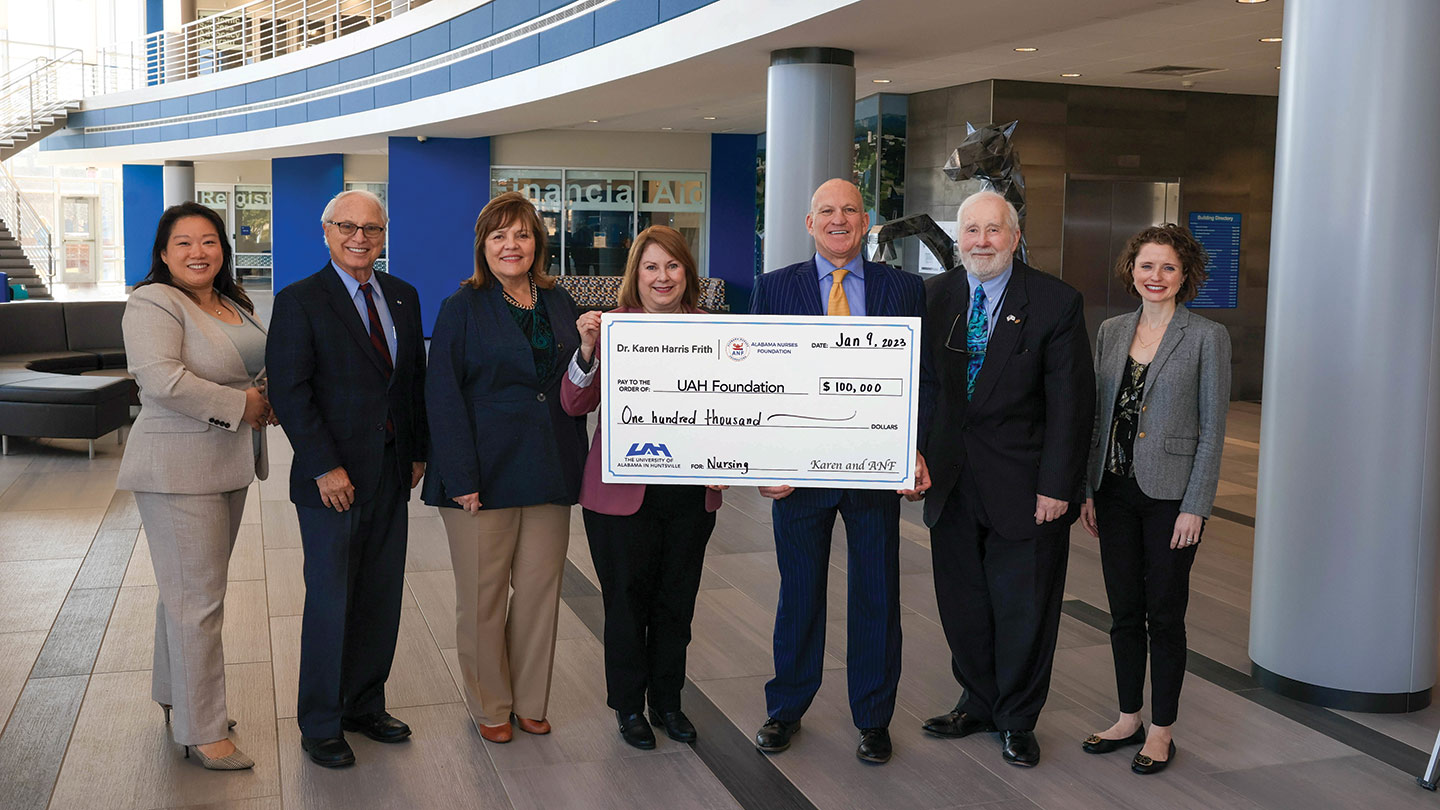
x: 592, y: 121
x: 1269, y: 39
x: 709, y: 118
x: 1249, y: 2
x: 1069, y: 75
x: 667, y: 129
x: 1277, y: 67
x: 880, y: 81
x: 1026, y: 50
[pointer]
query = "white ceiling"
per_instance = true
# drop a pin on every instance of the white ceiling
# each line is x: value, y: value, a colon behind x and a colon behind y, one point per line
x: 927, y: 44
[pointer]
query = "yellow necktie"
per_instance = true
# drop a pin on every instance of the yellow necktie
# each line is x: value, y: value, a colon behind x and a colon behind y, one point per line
x: 838, y: 304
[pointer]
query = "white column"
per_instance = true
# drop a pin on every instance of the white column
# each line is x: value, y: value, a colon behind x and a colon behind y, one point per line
x: 177, y: 182
x: 809, y: 138
x: 1343, y: 606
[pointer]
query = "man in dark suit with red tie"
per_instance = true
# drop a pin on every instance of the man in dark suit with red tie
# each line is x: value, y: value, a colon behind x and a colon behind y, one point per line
x: 346, y: 358
x: 837, y: 281
x: 1006, y: 452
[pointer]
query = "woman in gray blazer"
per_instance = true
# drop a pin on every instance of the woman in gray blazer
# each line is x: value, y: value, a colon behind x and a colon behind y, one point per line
x: 197, y: 352
x: 1163, y: 386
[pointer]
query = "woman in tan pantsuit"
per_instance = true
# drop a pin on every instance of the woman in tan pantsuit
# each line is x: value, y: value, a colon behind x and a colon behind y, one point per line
x: 506, y: 461
x: 197, y: 352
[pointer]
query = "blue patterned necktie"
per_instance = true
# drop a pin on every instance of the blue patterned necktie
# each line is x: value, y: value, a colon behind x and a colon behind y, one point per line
x: 976, y: 336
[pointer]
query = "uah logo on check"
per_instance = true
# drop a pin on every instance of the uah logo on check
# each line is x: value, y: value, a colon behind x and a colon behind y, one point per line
x: 648, y: 449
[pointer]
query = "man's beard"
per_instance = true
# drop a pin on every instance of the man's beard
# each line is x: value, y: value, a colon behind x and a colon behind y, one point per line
x: 988, y: 267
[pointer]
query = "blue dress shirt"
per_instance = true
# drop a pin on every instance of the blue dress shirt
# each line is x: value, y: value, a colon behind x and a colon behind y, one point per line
x: 387, y: 324
x: 853, y: 283
x: 994, y: 297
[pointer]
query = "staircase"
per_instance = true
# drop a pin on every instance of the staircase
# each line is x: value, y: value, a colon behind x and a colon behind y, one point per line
x: 37, y: 97
x: 15, y: 264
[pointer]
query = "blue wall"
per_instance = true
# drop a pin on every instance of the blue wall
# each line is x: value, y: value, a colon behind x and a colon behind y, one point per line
x: 732, y: 216
x: 302, y: 186
x: 436, y: 190
x: 143, y: 201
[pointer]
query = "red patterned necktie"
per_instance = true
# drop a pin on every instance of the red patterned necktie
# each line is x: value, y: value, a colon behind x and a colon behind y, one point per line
x: 377, y: 336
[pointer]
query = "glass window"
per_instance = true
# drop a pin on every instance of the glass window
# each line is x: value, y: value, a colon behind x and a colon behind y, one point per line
x: 252, y: 235
x: 217, y: 200
x: 676, y: 199
x: 600, y: 221
x: 542, y: 188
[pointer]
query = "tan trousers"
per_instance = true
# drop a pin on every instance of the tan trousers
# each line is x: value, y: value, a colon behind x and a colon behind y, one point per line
x: 506, y: 644
x: 191, y: 537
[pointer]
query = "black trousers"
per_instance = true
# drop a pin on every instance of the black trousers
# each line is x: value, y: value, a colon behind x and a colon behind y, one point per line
x: 1148, y: 584
x: 354, y: 581
x: 999, y: 601
x: 649, y: 566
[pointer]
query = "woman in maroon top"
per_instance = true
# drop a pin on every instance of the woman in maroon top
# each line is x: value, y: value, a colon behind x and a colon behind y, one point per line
x: 647, y: 542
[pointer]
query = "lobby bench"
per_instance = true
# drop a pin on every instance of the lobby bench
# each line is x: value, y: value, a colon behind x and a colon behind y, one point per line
x: 45, y: 348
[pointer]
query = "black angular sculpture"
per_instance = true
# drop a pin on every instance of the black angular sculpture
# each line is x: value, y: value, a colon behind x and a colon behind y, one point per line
x: 987, y: 154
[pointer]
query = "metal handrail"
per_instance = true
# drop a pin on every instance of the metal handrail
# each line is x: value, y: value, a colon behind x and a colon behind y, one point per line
x: 27, y: 226
x: 244, y: 35
x: 35, y: 98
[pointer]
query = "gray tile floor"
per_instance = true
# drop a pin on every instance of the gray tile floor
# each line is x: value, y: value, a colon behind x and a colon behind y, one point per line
x: 77, y: 596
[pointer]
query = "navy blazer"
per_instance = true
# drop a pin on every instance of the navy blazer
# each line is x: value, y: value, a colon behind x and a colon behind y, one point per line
x: 795, y: 290
x: 504, y: 432
x: 328, y: 384
x: 1027, y: 429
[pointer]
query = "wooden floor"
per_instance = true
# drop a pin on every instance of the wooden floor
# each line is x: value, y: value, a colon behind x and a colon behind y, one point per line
x: 77, y: 595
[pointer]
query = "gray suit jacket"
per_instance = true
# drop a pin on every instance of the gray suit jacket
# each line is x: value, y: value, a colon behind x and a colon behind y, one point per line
x: 1182, y: 418
x: 189, y: 438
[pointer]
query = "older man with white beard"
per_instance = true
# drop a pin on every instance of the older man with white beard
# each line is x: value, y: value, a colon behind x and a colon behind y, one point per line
x: 1006, y: 453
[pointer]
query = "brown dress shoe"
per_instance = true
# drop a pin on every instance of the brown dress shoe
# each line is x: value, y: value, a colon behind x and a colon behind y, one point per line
x: 529, y: 726
x: 497, y: 734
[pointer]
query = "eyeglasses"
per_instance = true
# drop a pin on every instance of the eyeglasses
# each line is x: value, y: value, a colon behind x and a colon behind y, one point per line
x: 349, y: 229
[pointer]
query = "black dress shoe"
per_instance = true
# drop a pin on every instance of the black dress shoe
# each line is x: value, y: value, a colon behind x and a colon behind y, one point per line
x: 328, y: 752
x: 1021, y: 748
x: 677, y: 726
x: 378, y: 726
x: 774, y: 736
x: 1095, y: 744
x: 635, y: 731
x: 957, y: 724
x: 874, y: 745
x: 1145, y: 766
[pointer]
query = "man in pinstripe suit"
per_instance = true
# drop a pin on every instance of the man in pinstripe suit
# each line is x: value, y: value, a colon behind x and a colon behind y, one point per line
x: 837, y: 281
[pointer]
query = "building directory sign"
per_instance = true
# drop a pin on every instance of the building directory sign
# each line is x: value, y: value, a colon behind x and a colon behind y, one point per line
x: 1219, y: 234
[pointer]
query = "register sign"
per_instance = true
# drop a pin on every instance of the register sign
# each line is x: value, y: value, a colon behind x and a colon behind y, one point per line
x: 754, y: 400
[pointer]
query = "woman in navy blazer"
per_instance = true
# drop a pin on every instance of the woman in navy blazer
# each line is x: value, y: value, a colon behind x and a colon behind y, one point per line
x: 647, y: 543
x: 507, y: 469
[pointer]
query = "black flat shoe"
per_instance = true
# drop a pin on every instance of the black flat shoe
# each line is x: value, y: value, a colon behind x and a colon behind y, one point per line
x: 1095, y: 744
x: 635, y: 731
x: 1021, y: 748
x: 378, y: 726
x: 1145, y: 766
x: 956, y: 724
x: 328, y: 752
x: 677, y: 726
x: 874, y: 745
x: 774, y: 736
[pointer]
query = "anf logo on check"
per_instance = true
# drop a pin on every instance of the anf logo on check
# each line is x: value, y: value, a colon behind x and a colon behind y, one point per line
x: 737, y: 348
x: 648, y: 449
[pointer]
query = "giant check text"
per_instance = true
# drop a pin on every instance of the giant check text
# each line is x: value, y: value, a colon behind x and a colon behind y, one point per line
x: 759, y: 400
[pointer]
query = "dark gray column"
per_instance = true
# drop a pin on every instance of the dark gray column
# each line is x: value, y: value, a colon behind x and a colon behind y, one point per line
x: 809, y: 138
x: 1343, y: 609
x: 177, y: 179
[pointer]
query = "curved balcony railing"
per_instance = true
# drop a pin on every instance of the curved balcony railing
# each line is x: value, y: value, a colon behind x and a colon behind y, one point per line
x: 244, y: 35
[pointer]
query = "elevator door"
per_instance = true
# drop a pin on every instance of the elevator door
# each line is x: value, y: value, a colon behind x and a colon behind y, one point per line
x: 1101, y: 215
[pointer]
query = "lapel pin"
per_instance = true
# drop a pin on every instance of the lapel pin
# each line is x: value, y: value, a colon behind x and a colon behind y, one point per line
x: 1012, y: 319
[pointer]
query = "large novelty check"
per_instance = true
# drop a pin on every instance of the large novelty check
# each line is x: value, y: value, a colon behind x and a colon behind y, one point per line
x: 759, y: 400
